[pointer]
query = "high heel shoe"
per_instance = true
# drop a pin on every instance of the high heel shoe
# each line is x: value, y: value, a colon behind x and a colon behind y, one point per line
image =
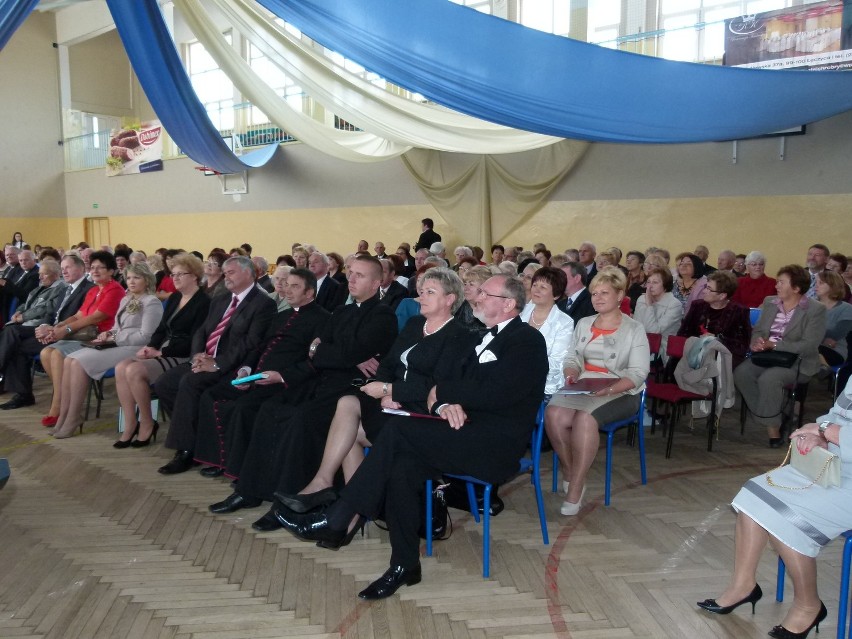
x: 141, y: 443
x: 570, y: 508
x: 780, y: 632
x: 127, y: 443
x: 303, y: 503
x: 753, y: 597
x: 65, y: 433
x: 49, y: 420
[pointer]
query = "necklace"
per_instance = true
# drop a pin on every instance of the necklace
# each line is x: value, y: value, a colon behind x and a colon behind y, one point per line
x: 427, y: 332
x: 537, y: 324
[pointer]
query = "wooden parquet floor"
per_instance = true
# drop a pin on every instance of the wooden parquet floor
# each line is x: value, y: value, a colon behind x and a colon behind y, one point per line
x: 94, y: 543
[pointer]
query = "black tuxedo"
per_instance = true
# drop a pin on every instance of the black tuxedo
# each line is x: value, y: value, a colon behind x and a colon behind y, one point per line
x: 582, y: 306
x: 327, y: 293
x: 427, y: 239
x: 179, y: 389
x: 289, y: 440
x: 18, y: 344
x: 394, y: 295
x: 501, y: 398
x: 221, y: 441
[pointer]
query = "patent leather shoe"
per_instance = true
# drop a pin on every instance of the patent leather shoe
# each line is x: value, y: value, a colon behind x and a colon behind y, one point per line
x: 390, y: 582
x: 314, y: 526
x: 753, y: 597
x: 267, y: 523
x: 308, y: 502
x: 780, y: 632
x: 18, y: 401
x: 233, y: 503
x: 141, y: 443
x: 212, y: 471
x: 181, y: 462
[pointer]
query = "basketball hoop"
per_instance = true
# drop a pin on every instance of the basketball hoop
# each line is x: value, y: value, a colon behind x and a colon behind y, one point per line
x: 207, y: 170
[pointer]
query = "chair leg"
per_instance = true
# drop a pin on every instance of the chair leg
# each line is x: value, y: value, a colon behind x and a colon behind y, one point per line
x: 641, y: 430
x: 539, y: 499
x: 609, y: 437
x: 743, y: 414
x: 471, y: 500
x: 99, y: 394
x: 843, y: 607
x: 674, y: 420
x: 428, y: 524
x: 711, y: 424
x: 779, y: 581
x: 555, y: 471
x: 486, y: 531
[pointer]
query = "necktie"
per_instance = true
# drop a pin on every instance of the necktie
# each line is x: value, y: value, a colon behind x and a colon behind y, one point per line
x: 382, y: 293
x: 62, y: 304
x: 568, y: 303
x: 213, y: 340
x: 23, y: 275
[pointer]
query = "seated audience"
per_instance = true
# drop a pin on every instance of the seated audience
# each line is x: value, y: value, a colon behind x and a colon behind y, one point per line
x: 465, y: 264
x: 657, y: 310
x: 168, y: 346
x: 831, y: 289
x: 431, y: 348
x: 635, y: 277
x: 42, y: 302
x: 756, y: 286
x: 300, y: 256
x: 607, y: 345
x: 96, y: 315
x: 789, y: 322
x: 739, y: 265
x: 498, y: 252
x: 526, y: 274
x: 20, y: 281
x: 726, y: 260
x: 261, y: 271
x: 166, y: 285
x: 577, y: 302
x: 472, y: 281
x: 391, y: 292
x: 279, y: 282
x: 837, y: 263
x: 543, y: 256
x: 717, y: 315
x: 214, y: 283
x: 138, y: 315
x: 336, y: 268
x: 690, y: 281
x: 797, y: 523
x: 327, y: 286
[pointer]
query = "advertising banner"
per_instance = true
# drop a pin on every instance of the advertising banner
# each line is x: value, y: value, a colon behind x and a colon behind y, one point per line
x: 137, y: 149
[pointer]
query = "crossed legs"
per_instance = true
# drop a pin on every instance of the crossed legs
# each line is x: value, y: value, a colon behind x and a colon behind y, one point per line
x: 75, y: 381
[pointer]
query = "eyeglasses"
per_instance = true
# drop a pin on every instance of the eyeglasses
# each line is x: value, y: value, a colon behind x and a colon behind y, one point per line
x: 479, y: 291
x: 178, y: 275
x: 710, y: 290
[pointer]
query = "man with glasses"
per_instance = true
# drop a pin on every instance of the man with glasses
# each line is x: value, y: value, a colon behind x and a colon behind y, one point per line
x: 484, y: 424
x: 756, y: 285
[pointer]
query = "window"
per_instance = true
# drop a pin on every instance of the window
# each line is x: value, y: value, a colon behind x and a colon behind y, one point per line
x: 212, y: 86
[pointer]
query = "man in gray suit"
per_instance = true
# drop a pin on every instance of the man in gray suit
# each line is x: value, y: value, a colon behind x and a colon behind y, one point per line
x: 41, y: 303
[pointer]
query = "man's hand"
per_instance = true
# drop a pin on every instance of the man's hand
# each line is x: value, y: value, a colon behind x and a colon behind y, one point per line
x: 454, y: 414
x: 377, y: 390
x: 369, y: 367
x: 17, y: 318
x: 203, y: 363
x: 273, y: 377
x: 312, y: 349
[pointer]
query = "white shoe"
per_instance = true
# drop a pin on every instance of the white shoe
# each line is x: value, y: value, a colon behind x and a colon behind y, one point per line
x: 565, y: 486
x: 570, y: 508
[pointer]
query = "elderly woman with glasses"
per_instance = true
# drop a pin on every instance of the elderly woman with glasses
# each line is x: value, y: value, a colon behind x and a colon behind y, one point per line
x: 138, y: 314
x: 718, y: 315
x: 214, y: 282
x: 756, y: 286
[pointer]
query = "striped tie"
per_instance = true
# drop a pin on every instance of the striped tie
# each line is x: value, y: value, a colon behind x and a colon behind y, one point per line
x: 213, y: 340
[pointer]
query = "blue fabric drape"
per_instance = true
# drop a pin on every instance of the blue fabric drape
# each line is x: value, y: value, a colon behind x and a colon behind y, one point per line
x: 12, y: 14
x: 156, y: 62
x: 512, y: 75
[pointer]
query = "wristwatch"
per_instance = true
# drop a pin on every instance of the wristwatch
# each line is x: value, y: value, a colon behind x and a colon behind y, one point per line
x: 68, y: 329
x: 823, y: 426
x: 385, y: 388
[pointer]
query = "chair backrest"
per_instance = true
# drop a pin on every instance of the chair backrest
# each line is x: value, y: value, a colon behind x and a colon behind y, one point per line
x: 753, y: 315
x: 675, y: 345
x: 655, y: 341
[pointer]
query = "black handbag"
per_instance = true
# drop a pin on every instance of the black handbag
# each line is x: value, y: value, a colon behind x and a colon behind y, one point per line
x: 774, y: 359
x: 442, y: 525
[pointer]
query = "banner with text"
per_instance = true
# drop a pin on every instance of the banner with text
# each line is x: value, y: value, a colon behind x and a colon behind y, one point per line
x: 137, y: 149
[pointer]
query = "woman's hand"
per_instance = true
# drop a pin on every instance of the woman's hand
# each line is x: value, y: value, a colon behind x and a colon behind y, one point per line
x: 377, y: 390
x: 102, y: 337
x: 831, y: 343
x: 387, y: 402
x: 146, y: 352
x: 571, y: 375
x: 806, y: 441
x: 758, y: 344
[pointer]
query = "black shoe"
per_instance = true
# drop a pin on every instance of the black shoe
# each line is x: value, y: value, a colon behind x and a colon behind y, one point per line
x: 497, y: 505
x: 314, y: 527
x: 309, y: 502
x: 780, y: 632
x: 18, y: 401
x: 141, y: 443
x: 212, y: 471
x: 234, y: 502
x: 390, y: 582
x: 267, y: 523
x: 710, y: 605
x: 181, y: 462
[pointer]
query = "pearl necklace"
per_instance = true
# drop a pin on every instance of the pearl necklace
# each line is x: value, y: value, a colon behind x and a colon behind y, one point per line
x: 537, y: 324
x: 426, y: 332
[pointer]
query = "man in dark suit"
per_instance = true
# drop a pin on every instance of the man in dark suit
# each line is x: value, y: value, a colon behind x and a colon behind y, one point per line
x: 488, y: 417
x: 287, y: 441
x: 391, y: 292
x: 235, y: 326
x: 261, y: 269
x: 577, y: 302
x: 20, y: 343
x: 588, y: 252
x: 428, y: 237
x: 282, y: 357
x: 19, y: 283
x: 327, y: 287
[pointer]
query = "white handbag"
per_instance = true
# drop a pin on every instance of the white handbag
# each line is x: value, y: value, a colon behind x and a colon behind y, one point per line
x: 819, y: 465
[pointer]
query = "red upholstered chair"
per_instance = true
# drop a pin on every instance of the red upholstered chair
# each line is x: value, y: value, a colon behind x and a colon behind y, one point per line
x: 670, y: 393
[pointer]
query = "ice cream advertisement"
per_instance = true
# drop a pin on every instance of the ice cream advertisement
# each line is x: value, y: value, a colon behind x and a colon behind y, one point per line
x: 135, y: 149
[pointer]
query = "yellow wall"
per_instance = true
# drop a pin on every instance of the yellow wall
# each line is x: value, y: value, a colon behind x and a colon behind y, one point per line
x: 781, y: 227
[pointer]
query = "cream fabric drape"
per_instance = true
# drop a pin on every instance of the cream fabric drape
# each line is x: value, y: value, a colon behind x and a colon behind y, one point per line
x: 487, y: 197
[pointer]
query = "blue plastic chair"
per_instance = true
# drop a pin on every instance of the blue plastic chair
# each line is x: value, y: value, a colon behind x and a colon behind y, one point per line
x: 753, y: 315
x: 532, y: 463
x: 843, y: 605
x: 610, y: 429
x: 5, y: 472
